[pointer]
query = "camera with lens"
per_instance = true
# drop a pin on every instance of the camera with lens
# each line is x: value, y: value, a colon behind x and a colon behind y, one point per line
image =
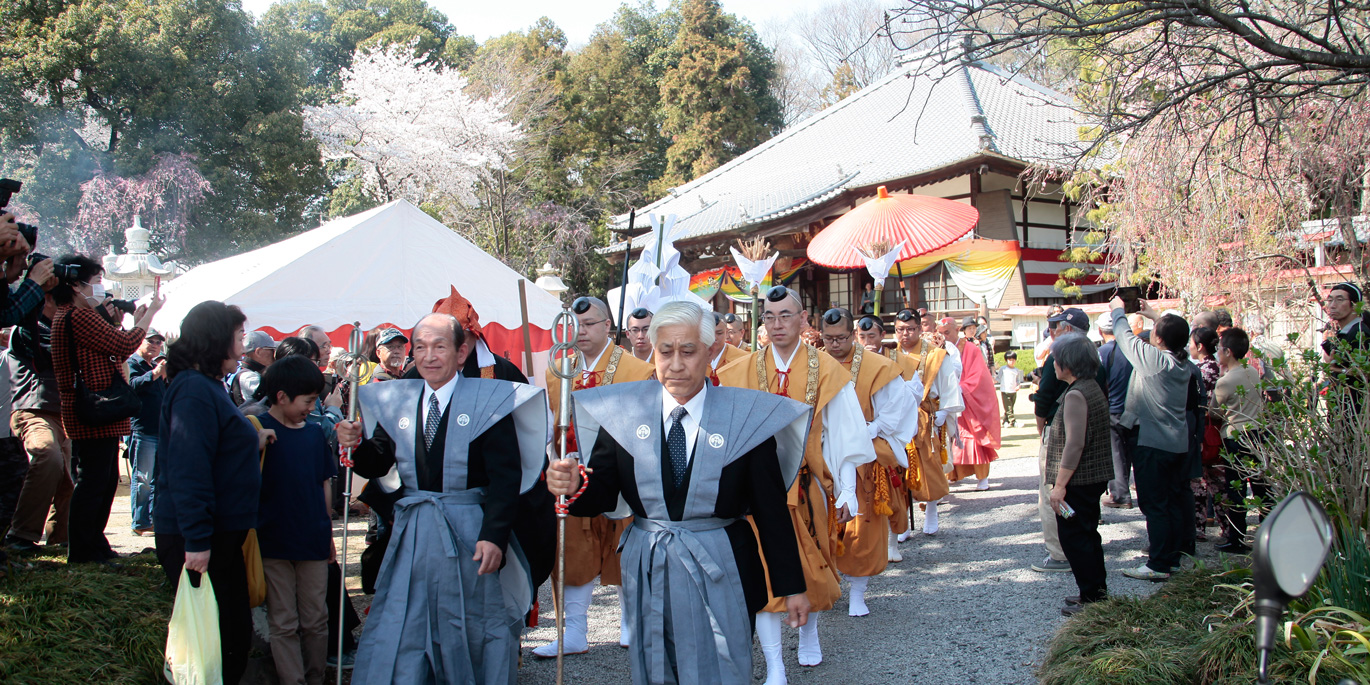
x: 124, y: 306
x: 8, y: 187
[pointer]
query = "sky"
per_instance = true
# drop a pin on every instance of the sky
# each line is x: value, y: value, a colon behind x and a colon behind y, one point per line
x: 577, y: 18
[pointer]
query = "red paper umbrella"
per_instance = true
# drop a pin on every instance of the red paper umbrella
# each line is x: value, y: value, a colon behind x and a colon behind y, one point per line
x: 922, y: 223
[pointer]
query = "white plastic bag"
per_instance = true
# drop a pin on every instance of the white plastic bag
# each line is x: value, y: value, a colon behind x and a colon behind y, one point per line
x: 193, y: 656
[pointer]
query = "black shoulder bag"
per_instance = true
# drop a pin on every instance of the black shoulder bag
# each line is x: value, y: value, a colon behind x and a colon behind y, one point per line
x: 117, y: 402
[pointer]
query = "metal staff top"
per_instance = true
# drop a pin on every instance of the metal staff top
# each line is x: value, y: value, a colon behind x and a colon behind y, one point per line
x: 561, y: 361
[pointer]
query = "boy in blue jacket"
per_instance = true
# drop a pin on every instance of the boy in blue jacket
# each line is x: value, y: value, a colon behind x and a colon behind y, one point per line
x: 294, y: 529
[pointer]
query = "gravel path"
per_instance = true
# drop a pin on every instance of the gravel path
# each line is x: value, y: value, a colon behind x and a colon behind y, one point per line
x: 962, y: 607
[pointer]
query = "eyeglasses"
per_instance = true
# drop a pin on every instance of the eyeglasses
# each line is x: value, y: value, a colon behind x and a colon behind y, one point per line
x: 836, y: 339
x: 588, y: 324
x: 782, y: 317
x: 638, y: 330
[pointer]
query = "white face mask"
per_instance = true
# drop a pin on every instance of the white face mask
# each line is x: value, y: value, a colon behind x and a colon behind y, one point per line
x: 97, y: 292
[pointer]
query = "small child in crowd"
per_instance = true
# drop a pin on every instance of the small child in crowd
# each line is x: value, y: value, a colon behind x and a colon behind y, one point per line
x: 294, y: 530
x: 1010, y: 377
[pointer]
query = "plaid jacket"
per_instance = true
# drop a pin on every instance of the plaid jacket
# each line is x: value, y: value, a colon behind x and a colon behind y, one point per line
x: 100, y: 351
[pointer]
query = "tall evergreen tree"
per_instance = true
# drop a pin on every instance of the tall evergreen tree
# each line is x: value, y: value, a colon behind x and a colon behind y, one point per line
x: 715, y: 97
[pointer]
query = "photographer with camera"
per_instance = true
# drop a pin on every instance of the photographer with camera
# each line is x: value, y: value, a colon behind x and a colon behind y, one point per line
x: 37, y: 422
x: 18, y: 301
x: 88, y: 354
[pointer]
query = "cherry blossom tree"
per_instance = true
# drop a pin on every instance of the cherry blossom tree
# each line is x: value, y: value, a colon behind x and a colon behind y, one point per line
x: 165, y: 198
x: 412, y: 130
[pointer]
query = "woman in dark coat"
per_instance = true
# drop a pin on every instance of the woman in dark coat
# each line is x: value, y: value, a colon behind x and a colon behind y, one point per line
x: 208, y: 473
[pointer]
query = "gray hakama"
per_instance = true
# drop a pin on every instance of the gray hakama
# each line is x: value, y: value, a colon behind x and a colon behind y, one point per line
x: 686, y: 609
x: 434, y: 620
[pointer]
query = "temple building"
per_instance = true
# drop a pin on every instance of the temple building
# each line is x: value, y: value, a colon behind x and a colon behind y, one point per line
x: 964, y: 132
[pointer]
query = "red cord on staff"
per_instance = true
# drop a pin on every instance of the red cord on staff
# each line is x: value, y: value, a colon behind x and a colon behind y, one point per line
x: 564, y: 509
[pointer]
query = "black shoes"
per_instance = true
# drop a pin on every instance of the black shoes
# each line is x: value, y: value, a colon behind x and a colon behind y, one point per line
x: 22, y: 546
x: 1232, y: 547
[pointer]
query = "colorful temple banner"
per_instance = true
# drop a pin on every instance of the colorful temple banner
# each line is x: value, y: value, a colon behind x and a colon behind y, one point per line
x: 705, y: 284
x: 735, y: 288
x: 981, y: 268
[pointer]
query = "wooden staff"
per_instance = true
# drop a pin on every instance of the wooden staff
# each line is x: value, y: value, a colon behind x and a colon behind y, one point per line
x: 562, y: 362
x: 354, y: 372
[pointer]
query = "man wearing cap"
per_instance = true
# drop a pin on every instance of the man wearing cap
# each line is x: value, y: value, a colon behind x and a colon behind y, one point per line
x: 639, y: 320
x: 147, y: 375
x: 720, y: 352
x: 838, y: 444
x: 1119, y: 372
x: 978, y: 422
x: 737, y: 332
x: 891, y: 422
x: 920, y: 357
x: 390, y: 347
x: 692, y: 461
x: 592, y: 541
x: 1072, y: 321
x: 259, y: 350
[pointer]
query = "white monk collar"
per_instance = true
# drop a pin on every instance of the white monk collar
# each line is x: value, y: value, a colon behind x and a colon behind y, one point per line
x: 595, y: 364
x: 714, y: 364
x: 784, y: 364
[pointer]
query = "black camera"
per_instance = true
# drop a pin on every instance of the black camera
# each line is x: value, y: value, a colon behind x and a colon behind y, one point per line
x: 69, y: 273
x: 8, y: 187
x: 124, y: 306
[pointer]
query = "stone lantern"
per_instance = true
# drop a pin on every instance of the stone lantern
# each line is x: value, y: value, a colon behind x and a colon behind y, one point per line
x: 135, y: 273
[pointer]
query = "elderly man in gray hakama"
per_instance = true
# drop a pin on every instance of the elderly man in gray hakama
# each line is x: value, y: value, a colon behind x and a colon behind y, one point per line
x: 691, y: 472
x: 434, y: 618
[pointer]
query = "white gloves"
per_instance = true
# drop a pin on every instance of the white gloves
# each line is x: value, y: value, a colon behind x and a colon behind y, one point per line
x: 940, y: 418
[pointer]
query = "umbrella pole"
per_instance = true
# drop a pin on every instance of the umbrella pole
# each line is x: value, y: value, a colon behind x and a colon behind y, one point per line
x: 903, y: 295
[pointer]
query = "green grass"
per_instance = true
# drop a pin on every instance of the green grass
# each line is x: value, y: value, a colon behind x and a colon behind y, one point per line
x: 1182, y: 634
x: 1025, y: 362
x: 83, y: 624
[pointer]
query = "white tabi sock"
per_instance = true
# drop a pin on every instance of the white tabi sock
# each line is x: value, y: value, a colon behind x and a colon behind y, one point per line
x: 768, y: 634
x: 810, y: 653
x: 577, y: 622
x: 623, y: 631
x: 930, y: 519
x: 893, y: 552
x: 856, y: 606
x: 904, y: 536
x: 983, y: 484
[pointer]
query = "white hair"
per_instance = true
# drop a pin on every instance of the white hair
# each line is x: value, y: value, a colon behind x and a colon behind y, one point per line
x: 683, y: 314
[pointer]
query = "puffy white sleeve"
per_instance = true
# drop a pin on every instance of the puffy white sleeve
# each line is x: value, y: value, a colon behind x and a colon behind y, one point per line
x: 896, y: 417
x: 946, y: 387
x: 846, y: 445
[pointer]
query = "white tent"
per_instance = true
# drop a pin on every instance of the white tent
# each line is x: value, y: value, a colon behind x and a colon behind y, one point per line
x: 388, y: 265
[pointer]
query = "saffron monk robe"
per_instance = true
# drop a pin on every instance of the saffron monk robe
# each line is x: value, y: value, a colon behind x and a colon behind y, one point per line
x: 592, y: 541
x: 823, y: 497
x: 978, y: 423
x: 454, y: 586
x: 691, y: 460
x: 891, y: 422
x: 921, y: 356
